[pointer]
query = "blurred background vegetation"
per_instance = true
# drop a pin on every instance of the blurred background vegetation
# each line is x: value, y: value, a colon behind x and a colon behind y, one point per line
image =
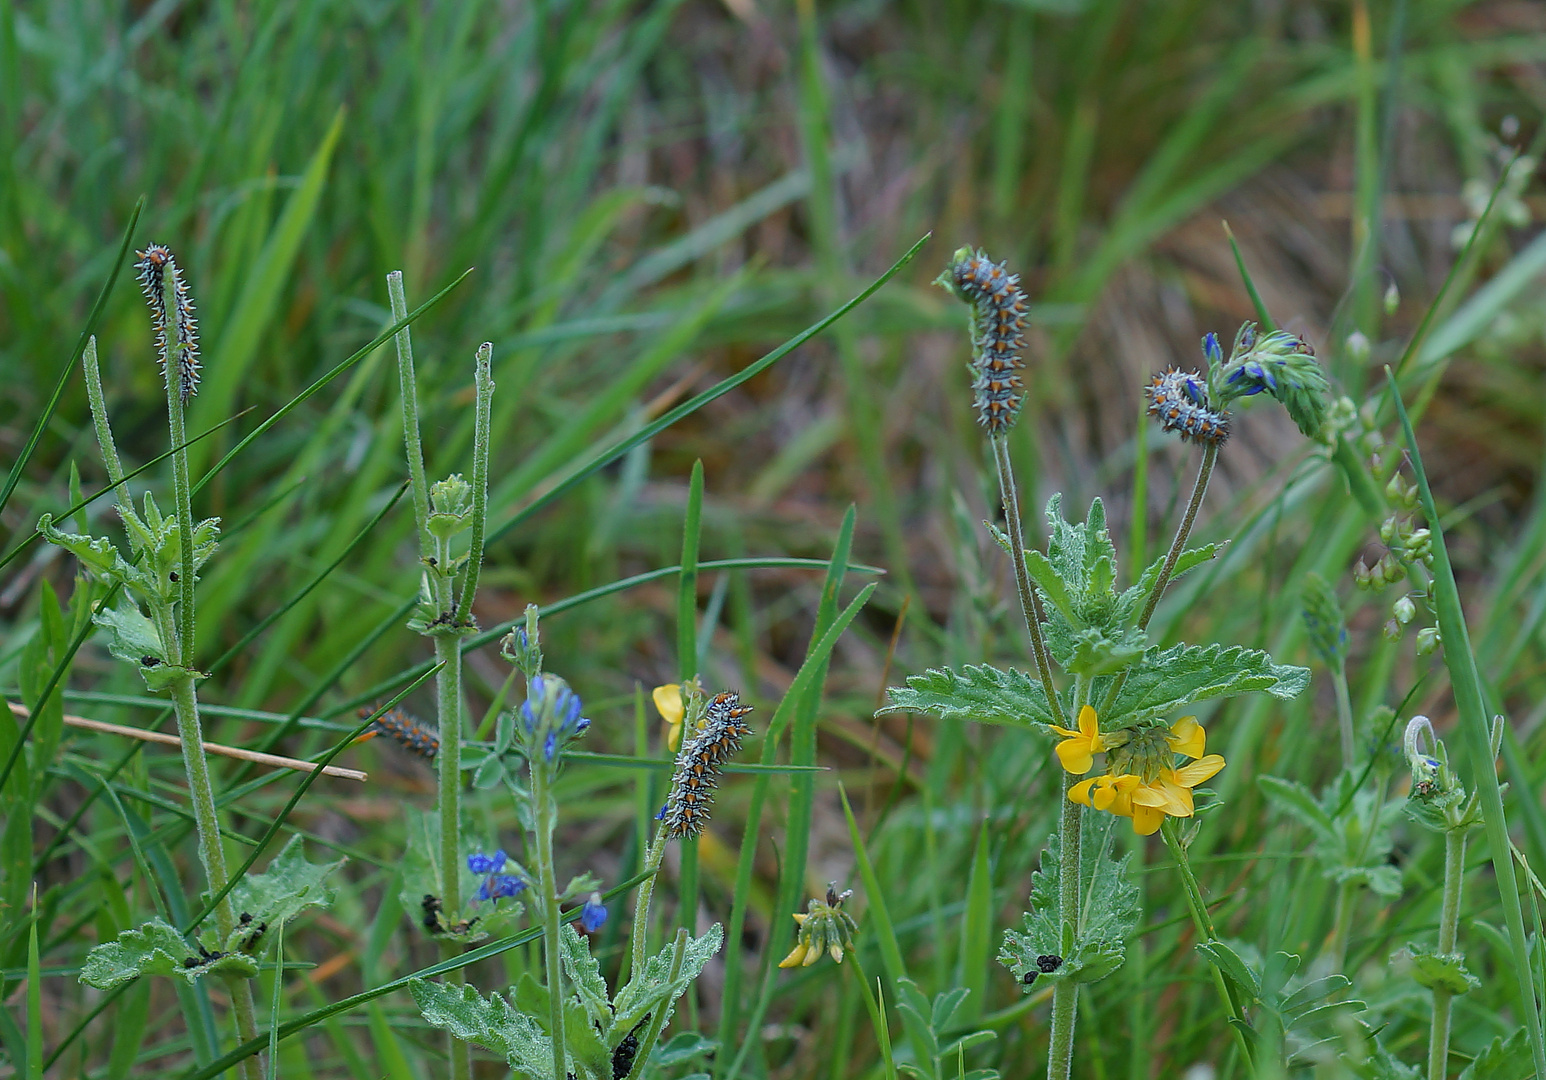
x: 653, y: 195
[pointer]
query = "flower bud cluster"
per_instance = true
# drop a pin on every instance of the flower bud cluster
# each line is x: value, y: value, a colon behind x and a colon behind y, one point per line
x: 1279, y: 364
x: 549, y: 719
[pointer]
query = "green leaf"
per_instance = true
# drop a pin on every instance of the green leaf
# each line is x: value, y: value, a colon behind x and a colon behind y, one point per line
x: 96, y: 554
x: 156, y: 948
x: 421, y: 878
x: 1383, y: 1065
x: 653, y: 988
x: 1167, y: 679
x: 982, y: 694
x: 1188, y: 560
x: 1296, y: 799
x: 585, y: 973
x: 488, y: 1021
x: 684, y: 1046
x: 1233, y: 968
x: 1439, y: 971
x: 1109, y: 912
x: 1504, y: 1059
x: 288, y: 886
x: 132, y: 638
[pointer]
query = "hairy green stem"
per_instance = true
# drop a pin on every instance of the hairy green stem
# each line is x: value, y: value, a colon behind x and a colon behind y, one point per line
x: 99, y: 419
x: 1204, y: 925
x: 1449, y: 921
x: 1030, y: 603
x: 547, y: 818
x: 409, y: 392
x: 1065, y: 994
x: 1342, y: 923
x: 658, y: 1020
x: 448, y: 763
x: 1210, y: 456
x: 483, y: 380
x: 639, y: 933
x: 179, y: 641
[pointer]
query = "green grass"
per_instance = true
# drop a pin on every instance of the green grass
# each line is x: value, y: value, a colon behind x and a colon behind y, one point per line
x: 651, y: 198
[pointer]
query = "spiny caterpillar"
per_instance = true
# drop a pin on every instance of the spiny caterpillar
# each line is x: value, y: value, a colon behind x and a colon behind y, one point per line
x: 1000, y: 306
x: 154, y: 262
x: 698, y: 765
x: 405, y: 730
x: 1180, y: 400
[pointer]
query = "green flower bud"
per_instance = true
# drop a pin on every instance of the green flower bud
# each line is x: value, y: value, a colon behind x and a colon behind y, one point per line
x: 1392, y: 298
x: 1404, y: 610
x: 824, y: 927
x: 1428, y: 640
x: 1323, y: 620
x: 450, y: 502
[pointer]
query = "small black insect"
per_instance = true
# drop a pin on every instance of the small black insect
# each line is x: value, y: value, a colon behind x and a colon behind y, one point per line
x: 149, y: 661
x: 1028, y: 978
x: 244, y: 918
x: 190, y: 962
x: 622, y: 1057
x: 252, y: 939
x: 431, y: 907
x: 1048, y: 964
x: 173, y: 576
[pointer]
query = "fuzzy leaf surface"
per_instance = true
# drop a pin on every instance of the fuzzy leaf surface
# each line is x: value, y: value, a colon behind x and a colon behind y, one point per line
x: 289, y: 885
x: 155, y: 948
x: 983, y: 694
x: 1109, y: 912
x: 585, y: 974
x: 1436, y: 970
x: 654, y: 988
x: 488, y: 1021
x: 1503, y: 1059
x: 1168, y: 679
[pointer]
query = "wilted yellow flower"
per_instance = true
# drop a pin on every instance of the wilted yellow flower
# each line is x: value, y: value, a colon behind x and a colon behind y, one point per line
x: 824, y: 927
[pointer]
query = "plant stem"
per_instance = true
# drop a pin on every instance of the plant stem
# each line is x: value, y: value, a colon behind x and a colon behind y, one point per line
x: 1344, y: 715
x: 179, y: 641
x: 1342, y: 923
x: 1210, y: 456
x: 1204, y: 924
x: 1449, y: 921
x: 99, y: 419
x: 658, y: 1021
x: 448, y: 763
x: 639, y: 932
x: 409, y: 392
x: 483, y: 380
x: 547, y: 815
x: 1030, y: 603
x: 1065, y: 994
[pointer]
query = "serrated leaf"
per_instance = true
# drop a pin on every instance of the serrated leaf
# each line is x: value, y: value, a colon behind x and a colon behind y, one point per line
x: 982, y: 694
x: 585, y: 974
x: 1188, y: 560
x: 1383, y: 879
x: 488, y: 1021
x: 1436, y: 970
x: 97, y: 554
x: 1094, y: 652
x: 130, y: 635
x: 155, y: 948
x: 653, y: 987
x: 289, y: 885
x: 1109, y: 912
x: 1503, y: 1059
x: 1167, y: 679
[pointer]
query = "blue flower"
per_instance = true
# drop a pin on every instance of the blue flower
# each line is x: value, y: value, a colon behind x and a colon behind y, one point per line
x: 550, y: 717
x: 487, y: 864
x: 497, y: 886
x: 593, y: 915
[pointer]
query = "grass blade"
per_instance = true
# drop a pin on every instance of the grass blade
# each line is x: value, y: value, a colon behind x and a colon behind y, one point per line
x: 1461, y: 662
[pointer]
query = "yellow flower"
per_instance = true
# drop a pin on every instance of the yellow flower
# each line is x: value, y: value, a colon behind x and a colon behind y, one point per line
x: 1078, y: 749
x: 1167, y: 791
x: 1113, y: 793
x: 668, y: 702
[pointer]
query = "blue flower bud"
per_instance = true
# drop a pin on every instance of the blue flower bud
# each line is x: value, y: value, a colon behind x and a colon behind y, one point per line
x: 1212, y: 349
x: 593, y: 915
